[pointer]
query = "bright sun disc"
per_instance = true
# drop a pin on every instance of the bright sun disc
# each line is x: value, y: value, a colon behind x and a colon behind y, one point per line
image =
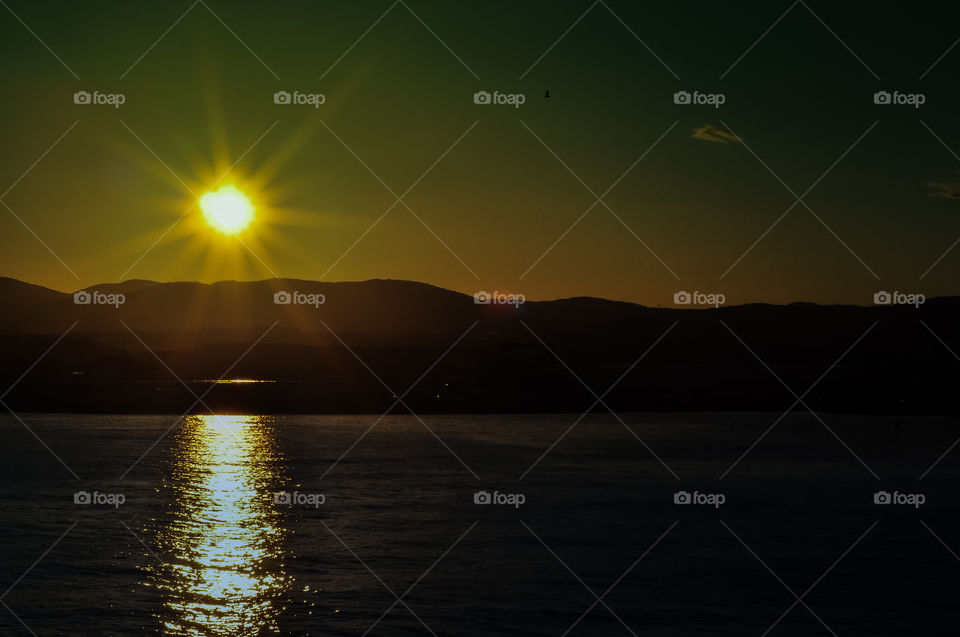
x: 227, y: 210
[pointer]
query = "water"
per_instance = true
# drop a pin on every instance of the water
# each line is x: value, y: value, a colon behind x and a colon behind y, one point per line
x: 202, y: 544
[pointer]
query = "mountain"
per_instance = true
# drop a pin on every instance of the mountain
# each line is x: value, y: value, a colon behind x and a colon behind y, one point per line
x: 331, y: 347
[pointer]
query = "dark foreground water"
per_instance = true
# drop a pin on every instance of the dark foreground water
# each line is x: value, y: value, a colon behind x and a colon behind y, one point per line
x: 261, y: 525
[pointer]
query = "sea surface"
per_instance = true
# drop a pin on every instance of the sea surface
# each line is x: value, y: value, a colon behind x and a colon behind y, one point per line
x: 479, y: 525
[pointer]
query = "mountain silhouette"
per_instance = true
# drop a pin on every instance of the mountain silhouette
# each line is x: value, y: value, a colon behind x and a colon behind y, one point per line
x: 355, y: 346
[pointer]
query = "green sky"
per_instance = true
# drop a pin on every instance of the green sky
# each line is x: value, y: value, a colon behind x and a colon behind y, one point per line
x: 491, y: 207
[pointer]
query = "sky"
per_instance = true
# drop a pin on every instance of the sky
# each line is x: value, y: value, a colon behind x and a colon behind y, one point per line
x: 492, y: 196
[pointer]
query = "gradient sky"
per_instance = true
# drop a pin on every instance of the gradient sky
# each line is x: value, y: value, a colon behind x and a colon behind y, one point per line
x: 399, y: 99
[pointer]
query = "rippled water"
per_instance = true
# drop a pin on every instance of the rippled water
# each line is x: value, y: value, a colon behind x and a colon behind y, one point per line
x: 228, y: 541
x: 335, y: 525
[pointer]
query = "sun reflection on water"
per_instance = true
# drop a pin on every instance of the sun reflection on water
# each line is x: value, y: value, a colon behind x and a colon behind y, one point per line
x: 225, y: 536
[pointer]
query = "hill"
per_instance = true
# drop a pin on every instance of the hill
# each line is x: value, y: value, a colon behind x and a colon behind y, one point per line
x: 326, y: 347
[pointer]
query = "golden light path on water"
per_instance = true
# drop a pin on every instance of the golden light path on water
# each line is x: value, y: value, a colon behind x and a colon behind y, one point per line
x: 226, y: 575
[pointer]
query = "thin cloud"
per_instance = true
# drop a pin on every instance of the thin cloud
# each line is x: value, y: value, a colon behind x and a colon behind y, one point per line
x: 945, y: 189
x: 710, y: 133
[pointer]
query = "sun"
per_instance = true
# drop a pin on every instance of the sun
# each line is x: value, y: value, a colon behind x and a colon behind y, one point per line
x: 227, y: 210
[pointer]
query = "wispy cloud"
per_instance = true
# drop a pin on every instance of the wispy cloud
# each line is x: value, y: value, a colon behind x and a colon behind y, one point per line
x: 710, y: 133
x: 945, y: 189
